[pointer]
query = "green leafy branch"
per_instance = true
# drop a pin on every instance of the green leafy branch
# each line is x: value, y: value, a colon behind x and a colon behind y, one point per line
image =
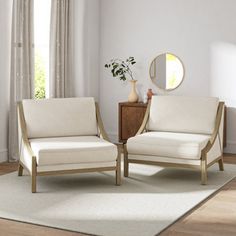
x: 120, y: 68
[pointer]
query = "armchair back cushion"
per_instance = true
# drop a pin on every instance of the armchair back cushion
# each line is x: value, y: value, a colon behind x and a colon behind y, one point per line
x: 60, y: 117
x: 183, y: 114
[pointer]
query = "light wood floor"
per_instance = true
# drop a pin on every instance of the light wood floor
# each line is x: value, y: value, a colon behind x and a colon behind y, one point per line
x: 215, y: 216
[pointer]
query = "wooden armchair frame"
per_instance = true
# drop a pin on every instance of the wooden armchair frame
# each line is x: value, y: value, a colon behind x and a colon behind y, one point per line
x: 203, y: 160
x: 30, y: 154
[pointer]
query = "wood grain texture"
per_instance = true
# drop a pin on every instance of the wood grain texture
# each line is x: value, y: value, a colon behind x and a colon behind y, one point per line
x: 7, y: 167
x: 215, y: 216
x: 130, y: 119
x: 12, y: 228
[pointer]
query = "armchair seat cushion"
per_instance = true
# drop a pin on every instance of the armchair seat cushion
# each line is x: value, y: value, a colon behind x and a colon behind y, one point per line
x: 168, y: 144
x: 72, y: 150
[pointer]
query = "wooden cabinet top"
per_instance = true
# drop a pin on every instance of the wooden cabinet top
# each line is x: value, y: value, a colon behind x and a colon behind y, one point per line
x: 133, y: 104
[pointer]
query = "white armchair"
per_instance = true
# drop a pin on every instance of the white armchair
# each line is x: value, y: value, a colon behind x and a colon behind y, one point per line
x: 179, y: 132
x: 64, y: 136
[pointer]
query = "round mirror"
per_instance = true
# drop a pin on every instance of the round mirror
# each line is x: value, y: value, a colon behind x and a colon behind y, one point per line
x: 167, y: 71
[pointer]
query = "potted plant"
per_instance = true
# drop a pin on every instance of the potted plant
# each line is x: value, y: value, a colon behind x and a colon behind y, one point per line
x: 121, y: 69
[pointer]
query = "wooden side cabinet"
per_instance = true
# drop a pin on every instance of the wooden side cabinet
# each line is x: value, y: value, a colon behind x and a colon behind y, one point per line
x: 130, y: 119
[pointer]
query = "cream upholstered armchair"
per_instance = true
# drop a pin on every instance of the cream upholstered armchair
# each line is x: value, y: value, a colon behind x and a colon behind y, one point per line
x: 179, y: 132
x: 64, y: 136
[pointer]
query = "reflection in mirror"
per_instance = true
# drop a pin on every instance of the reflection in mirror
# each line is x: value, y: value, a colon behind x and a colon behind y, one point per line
x: 167, y: 71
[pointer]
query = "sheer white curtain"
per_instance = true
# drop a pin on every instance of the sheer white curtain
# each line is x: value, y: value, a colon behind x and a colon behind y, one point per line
x: 59, y: 76
x: 22, y: 65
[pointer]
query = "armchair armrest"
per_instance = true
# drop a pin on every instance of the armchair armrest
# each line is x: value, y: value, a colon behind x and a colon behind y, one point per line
x: 100, y: 124
x: 145, y: 119
x: 216, y: 129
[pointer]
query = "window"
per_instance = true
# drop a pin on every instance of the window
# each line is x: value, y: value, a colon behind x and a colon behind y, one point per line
x: 42, y: 9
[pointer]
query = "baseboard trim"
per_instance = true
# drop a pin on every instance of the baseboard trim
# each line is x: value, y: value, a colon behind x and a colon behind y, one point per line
x: 230, y: 147
x: 3, y: 155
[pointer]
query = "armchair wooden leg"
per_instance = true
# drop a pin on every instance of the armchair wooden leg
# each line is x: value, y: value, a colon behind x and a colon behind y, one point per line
x: 33, y: 175
x: 20, y: 169
x: 118, y: 168
x: 126, y: 162
x: 203, y: 172
x: 221, y: 164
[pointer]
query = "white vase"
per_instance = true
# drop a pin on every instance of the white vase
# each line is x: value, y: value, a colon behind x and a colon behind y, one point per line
x: 133, y: 96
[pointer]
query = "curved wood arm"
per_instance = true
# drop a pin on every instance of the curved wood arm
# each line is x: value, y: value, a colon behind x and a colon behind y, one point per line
x: 216, y: 129
x: 145, y: 119
x: 100, y: 124
x: 22, y: 121
x: 23, y: 129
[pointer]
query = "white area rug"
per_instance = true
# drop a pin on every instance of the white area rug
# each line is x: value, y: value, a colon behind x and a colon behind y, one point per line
x: 146, y: 203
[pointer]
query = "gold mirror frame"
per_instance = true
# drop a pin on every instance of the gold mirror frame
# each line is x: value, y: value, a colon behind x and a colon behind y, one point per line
x: 154, y: 82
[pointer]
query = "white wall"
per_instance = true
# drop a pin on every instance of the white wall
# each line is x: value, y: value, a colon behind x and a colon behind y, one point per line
x: 223, y: 83
x: 5, y: 39
x: 85, y: 35
x: 146, y: 28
